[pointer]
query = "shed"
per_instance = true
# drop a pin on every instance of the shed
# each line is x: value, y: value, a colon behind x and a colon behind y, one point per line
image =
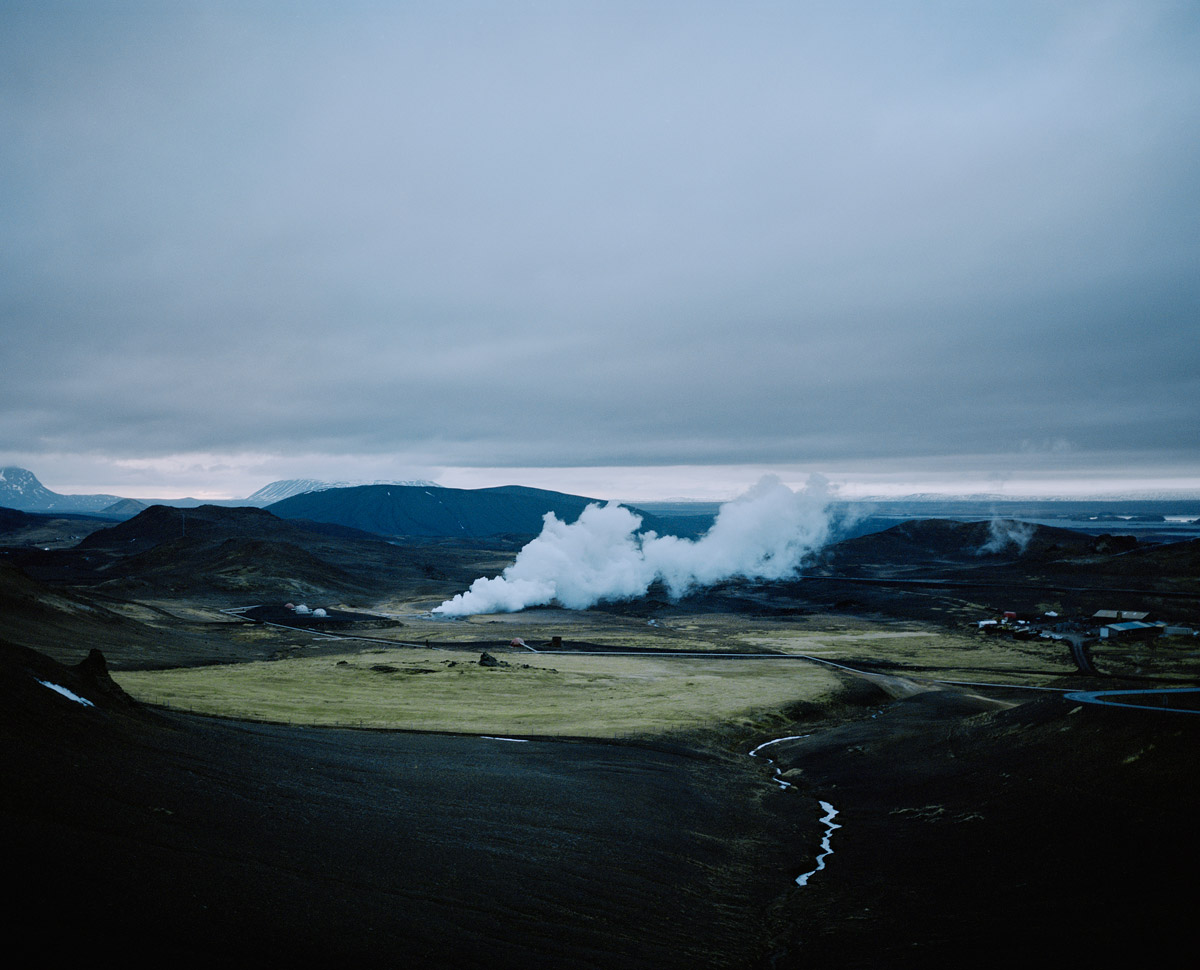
x: 1121, y: 616
x: 1133, y: 630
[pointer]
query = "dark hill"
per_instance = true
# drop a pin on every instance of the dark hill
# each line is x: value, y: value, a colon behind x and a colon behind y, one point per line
x: 408, y: 510
x: 1167, y: 567
x: 212, y: 552
x: 948, y: 548
x: 17, y: 526
x: 161, y: 523
x: 237, y: 565
x: 941, y: 570
x: 68, y: 623
x: 126, y: 508
x: 12, y: 520
x: 943, y: 542
x: 1165, y: 559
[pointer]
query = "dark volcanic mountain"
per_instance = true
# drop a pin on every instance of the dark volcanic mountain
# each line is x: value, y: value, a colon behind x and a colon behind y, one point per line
x: 161, y: 523
x: 940, y: 547
x: 217, y: 551
x: 406, y: 510
x: 126, y: 508
x: 940, y: 543
x: 947, y: 571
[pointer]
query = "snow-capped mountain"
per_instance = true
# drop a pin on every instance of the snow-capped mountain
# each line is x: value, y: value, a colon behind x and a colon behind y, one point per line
x: 286, y: 488
x: 21, y: 490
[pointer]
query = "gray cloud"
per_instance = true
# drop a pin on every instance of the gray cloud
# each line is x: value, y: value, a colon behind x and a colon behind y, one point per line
x: 541, y: 234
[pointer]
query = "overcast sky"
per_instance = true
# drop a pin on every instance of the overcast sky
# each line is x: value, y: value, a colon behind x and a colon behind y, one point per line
x: 615, y: 248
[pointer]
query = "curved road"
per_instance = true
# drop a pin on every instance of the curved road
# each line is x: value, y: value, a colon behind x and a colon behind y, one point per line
x: 1188, y: 695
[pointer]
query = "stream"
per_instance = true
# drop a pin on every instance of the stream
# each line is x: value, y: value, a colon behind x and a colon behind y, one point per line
x: 827, y: 820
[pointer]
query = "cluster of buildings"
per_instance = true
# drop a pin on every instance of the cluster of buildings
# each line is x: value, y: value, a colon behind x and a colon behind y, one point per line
x: 1127, y: 625
x: 1103, y: 624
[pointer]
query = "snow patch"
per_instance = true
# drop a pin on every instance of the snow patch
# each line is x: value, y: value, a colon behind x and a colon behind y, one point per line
x: 70, y: 695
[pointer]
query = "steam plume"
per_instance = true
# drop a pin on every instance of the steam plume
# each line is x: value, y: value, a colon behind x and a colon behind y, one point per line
x: 764, y: 534
x: 1006, y: 532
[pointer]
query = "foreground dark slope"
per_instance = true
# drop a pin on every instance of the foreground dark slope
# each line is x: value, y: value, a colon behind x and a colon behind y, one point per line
x: 404, y: 510
x: 155, y: 839
x: 969, y: 837
x: 1051, y: 833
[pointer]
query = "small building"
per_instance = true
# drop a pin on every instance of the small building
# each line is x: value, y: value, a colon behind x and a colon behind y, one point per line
x: 1133, y: 630
x: 1121, y: 616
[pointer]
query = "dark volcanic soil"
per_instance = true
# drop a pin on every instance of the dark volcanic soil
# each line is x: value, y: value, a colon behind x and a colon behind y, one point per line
x: 156, y: 838
x: 970, y: 836
x: 1049, y: 832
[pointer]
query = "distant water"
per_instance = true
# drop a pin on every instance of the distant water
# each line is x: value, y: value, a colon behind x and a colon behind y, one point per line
x: 1149, y: 521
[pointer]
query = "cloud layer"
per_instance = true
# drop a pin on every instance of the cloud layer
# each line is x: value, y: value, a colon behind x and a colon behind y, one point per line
x: 457, y: 234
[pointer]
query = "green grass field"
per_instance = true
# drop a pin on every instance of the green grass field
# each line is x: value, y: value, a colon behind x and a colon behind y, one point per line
x: 441, y: 690
x: 446, y: 689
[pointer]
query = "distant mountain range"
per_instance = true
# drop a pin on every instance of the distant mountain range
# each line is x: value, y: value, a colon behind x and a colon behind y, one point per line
x: 21, y: 490
x: 418, y: 509
x: 425, y: 509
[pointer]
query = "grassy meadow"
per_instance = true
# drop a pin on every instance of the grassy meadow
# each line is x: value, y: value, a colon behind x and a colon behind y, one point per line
x: 446, y: 689
x: 443, y: 690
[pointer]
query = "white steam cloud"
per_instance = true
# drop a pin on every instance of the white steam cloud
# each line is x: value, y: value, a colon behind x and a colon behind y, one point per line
x: 1005, y: 532
x: 764, y: 534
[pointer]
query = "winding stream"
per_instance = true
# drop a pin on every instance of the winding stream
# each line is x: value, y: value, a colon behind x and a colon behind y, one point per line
x: 777, y: 771
x: 827, y: 820
x: 826, y: 849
